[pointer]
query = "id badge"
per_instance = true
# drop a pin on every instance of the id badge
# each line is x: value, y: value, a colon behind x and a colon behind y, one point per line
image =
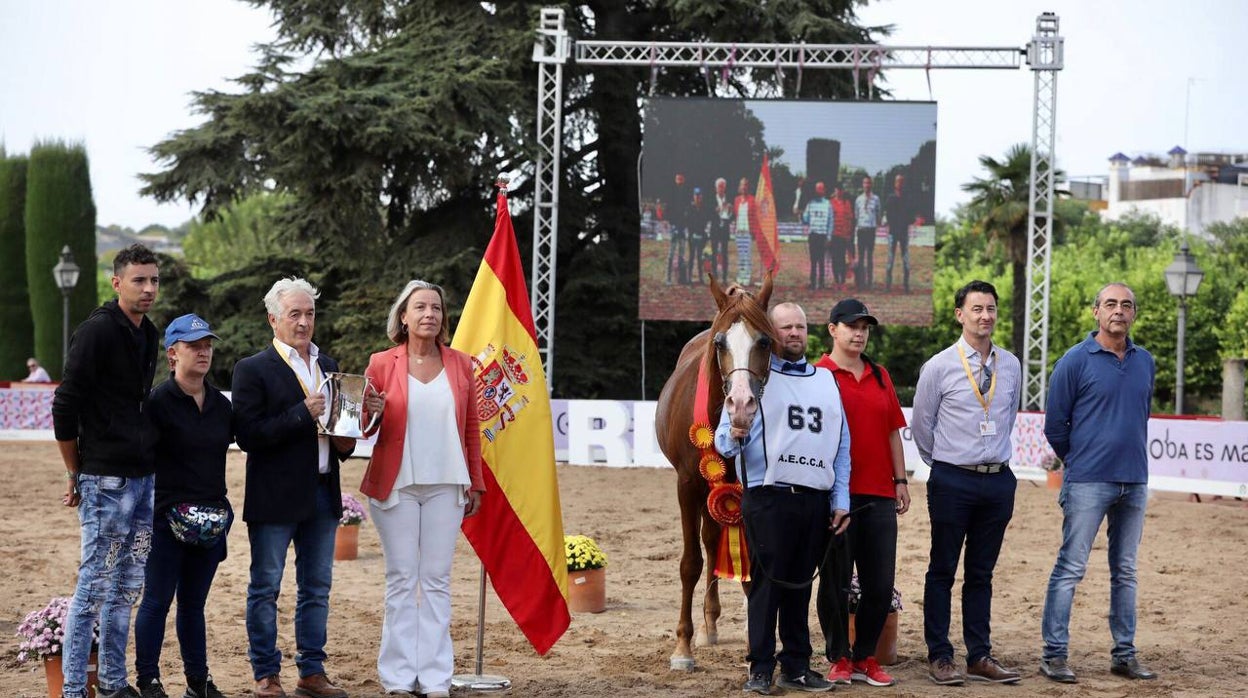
x: 987, y: 428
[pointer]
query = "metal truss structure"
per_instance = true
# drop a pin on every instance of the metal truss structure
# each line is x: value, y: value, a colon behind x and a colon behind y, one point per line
x: 1044, y: 55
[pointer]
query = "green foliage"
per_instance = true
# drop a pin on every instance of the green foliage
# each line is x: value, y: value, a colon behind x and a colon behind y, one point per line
x: 59, y: 211
x: 17, y: 331
x: 244, y: 231
x: 385, y: 123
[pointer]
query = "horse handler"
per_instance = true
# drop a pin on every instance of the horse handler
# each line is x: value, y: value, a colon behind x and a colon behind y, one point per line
x: 794, y: 463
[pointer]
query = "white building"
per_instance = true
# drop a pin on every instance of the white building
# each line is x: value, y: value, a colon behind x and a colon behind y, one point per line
x: 1185, y: 190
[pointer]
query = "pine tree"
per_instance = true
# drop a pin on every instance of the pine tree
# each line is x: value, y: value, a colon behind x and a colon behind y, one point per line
x: 59, y: 211
x: 17, y: 331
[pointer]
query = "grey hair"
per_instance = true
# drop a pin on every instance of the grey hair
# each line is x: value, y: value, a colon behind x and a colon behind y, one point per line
x: 397, y: 331
x: 720, y: 180
x: 1096, y: 302
x: 284, y: 287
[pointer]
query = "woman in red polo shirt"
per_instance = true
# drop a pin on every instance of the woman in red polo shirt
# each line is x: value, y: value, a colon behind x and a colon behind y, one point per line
x: 878, y: 494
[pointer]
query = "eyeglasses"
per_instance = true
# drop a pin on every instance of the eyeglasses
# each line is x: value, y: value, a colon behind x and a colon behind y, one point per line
x: 1112, y: 304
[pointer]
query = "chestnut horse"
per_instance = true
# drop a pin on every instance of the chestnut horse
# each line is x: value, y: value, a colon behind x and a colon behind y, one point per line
x: 736, y: 351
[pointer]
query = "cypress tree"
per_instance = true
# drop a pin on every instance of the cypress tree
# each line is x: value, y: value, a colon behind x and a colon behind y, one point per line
x: 17, y: 332
x: 59, y: 212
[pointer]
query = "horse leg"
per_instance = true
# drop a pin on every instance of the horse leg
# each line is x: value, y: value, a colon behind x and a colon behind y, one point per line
x: 709, y: 634
x: 691, y: 500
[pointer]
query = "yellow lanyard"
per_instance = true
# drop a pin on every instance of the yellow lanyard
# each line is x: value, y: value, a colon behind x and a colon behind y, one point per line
x: 979, y: 395
x: 316, y: 369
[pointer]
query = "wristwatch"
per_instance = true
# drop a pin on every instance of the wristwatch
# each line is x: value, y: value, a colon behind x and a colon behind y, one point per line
x: 900, y: 481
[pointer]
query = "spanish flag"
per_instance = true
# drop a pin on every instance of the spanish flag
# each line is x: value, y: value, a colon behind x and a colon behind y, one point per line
x: 519, y: 532
x: 768, y: 238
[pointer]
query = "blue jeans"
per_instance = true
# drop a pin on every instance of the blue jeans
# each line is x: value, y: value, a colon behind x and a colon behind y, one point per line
x: 314, y: 569
x: 187, y: 571
x: 116, y: 520
x: 973, y: 509
x: 1084, y: 506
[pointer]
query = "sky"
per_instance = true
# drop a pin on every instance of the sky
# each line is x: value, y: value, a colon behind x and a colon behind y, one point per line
x: 118, y: 77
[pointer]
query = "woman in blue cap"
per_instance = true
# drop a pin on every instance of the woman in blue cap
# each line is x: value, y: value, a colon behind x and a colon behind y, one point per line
x: 191, y: 515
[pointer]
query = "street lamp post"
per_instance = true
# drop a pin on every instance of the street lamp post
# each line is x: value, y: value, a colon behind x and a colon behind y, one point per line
x: 1182, y: 279
x: 66, y: 274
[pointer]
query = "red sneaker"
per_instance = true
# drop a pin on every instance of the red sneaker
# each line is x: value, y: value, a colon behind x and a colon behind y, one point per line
x: 869, y: 670
x: 840, y: 672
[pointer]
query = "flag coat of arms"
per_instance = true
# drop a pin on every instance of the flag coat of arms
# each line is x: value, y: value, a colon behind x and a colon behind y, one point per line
x: 518, y: 533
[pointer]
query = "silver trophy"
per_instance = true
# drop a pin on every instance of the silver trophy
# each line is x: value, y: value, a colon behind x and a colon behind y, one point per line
x: 344, y: 406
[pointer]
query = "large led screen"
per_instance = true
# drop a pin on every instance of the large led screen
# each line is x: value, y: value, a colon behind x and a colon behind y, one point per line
x: 836, y: 197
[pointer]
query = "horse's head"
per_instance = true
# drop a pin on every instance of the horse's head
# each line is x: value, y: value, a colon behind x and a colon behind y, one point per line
x: 741, y: 341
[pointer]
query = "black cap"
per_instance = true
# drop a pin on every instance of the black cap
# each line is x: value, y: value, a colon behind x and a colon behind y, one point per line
x: 851, y: 310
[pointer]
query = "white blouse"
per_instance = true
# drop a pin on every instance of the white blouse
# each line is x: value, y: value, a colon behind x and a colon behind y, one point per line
x: 432, y: 452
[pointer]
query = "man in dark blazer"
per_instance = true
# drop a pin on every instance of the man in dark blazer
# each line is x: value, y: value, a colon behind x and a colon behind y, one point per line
x: 292, y: 493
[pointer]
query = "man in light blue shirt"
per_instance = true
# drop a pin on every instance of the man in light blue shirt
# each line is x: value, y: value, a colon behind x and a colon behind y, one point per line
x: 819, y: 220
x: 794, y: 463
x: 1096, y: 420
x: 866, y: 219
x: 964, y: 409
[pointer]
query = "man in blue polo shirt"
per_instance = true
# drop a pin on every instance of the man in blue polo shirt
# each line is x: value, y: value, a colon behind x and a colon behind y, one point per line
x: 1096, y: 420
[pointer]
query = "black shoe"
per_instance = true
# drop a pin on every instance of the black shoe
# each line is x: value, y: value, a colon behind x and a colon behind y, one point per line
x: 123, y: 692
x: 758, y: 683
x: 1058, y: 670
x: 202, y: 688
x: 152, y: 689
x: 809, y: 681
x: 1132, y: 669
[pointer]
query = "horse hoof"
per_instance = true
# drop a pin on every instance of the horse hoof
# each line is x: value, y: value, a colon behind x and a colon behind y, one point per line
x: 682, y: 663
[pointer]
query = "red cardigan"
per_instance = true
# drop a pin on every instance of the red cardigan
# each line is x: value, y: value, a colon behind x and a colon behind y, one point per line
x: 388, y: 370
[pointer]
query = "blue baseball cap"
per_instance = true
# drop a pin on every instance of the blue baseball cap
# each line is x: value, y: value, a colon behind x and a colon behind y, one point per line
x: 697, y: 190
x: 188, y: 328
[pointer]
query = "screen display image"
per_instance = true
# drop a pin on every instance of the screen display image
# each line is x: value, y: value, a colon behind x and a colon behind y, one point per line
x: 837, y: 198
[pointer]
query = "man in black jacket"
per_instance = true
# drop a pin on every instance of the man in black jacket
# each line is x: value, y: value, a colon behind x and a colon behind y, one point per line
x: 107, y: 442
x: 292, y: 492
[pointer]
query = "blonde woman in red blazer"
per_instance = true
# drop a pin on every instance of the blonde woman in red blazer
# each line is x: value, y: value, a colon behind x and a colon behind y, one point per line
x: 423, y: 479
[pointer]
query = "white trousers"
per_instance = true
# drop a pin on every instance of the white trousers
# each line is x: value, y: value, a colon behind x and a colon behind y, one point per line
x: 418, y: 537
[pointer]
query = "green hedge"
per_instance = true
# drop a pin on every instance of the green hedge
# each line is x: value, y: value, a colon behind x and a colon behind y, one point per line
x: 17, y: 331
x: 59, y: 212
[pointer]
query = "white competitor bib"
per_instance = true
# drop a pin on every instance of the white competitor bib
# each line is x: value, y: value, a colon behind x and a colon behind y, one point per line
x: 803, y: 428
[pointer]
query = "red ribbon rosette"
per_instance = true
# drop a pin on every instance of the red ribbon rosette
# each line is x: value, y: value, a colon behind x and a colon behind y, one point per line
x: 701, y: 435
x: 724, y: 503
x: 712, y: 468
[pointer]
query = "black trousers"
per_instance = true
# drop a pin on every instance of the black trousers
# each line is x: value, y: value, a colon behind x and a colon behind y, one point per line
x: 870, y: 544
x: 818, y: 244
x: 787, y: 533
x: 866, y: 258
x: 970, y: 512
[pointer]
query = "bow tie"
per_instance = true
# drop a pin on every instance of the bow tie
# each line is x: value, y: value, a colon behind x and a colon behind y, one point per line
x: 796, y: 366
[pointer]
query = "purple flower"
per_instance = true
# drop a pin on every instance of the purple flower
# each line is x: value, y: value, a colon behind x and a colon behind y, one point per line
x: 353, y: 513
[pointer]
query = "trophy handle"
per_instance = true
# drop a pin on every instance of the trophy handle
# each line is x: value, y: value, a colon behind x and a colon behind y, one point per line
x: 321, y: 421
x: 375, y: 417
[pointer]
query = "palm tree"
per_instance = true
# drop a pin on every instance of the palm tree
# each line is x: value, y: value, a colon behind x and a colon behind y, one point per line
x: 999, y: 209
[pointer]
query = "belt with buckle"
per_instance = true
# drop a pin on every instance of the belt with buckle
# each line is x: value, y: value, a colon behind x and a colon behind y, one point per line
x: 984, y: 468
x: 797, y: 489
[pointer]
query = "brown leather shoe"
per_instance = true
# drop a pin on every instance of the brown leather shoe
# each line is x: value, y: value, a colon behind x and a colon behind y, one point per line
x: 318, y: 686
x: 989, y: 669
x: 943, y: 672
x: 270, y: 687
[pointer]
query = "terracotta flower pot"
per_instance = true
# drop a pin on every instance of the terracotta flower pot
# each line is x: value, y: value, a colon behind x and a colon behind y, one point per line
x: 886, y: 646
x: 1054, y: 479
x: 347, y: 543
x: 587, y: 591
x: 55, y: 673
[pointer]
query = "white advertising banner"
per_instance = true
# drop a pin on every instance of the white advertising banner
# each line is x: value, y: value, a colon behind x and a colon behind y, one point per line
x: 1208, y: 456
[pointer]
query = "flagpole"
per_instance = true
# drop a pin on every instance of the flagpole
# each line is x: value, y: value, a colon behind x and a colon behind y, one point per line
x: 479, y: 681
